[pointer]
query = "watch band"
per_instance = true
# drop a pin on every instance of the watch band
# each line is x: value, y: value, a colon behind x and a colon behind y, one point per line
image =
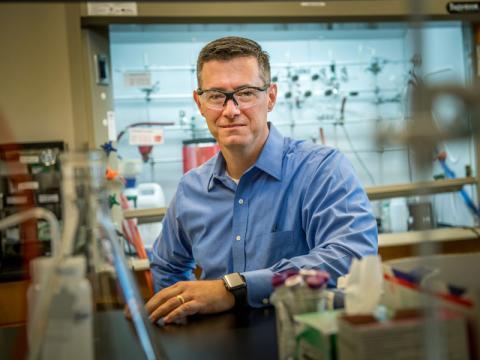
x: 240, y: 295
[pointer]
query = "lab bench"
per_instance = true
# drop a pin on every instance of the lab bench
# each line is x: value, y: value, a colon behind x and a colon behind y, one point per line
x: 245, y: 334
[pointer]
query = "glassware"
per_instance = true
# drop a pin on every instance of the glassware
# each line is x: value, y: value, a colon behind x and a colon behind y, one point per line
x: 296, y: 293
x: 94, y: 234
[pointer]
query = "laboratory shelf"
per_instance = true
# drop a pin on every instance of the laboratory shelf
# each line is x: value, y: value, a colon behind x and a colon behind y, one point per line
x: 133, y: 263
x: 418, y: 188
x: 145, y: 216
x: 384, y: 241
x: 137, y: 264
x: 432, y: 235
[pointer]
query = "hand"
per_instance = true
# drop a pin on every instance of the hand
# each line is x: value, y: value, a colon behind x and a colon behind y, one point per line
x: 188, y: 298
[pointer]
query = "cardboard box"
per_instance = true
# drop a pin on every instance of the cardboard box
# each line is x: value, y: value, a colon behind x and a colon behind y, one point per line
x: 454, y: 281
x: 362, y: 337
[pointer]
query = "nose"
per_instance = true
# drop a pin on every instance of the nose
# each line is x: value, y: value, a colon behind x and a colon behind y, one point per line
x: 231, y: 109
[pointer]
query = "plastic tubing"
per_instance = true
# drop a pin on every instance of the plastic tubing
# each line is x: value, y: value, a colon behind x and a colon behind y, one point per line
x: 466, y: 198
x: 39, y: 318
x: 65, y: 248
x: 125, y: 278
x: 70, y: 209
x: 36, y: 213
x: 132, y: 234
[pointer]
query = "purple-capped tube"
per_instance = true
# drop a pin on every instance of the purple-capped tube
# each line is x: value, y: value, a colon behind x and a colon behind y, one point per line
x: 317, y: 280
x: 279, y: 278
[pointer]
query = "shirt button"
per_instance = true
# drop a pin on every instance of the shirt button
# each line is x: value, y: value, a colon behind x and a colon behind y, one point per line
x: 240, y: 201
x: 238, y: 237
x: 265, y: 301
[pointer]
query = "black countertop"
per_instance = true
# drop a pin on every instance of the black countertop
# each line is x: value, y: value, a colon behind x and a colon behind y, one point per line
x: 248, y: 334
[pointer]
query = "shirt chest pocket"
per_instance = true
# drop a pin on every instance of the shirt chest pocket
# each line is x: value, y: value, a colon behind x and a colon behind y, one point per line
x: 269, y: 248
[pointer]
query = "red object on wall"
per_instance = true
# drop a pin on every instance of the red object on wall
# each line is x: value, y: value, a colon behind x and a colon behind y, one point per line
x: 198, y: 151
x: 145, y: 151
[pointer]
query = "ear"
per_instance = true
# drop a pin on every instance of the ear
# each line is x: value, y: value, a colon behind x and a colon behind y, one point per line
x: 197, y: 101
x: 272, y: 96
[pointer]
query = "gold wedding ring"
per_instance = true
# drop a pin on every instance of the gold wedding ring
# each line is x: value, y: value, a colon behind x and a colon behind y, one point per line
x: 181, y: 299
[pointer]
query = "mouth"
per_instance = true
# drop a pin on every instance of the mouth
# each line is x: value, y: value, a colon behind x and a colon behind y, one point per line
x: 231, y: 126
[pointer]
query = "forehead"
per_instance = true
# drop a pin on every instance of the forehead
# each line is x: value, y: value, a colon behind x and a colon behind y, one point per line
x: 231, y: 73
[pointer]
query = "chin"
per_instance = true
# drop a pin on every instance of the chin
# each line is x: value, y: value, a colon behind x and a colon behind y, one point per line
x: 234, y: 141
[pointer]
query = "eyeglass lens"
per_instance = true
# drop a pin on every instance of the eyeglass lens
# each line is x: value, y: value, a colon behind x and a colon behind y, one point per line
x: 242, y: 98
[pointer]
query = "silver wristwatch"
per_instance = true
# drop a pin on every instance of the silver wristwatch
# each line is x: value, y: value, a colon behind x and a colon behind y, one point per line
x: 236, y: 284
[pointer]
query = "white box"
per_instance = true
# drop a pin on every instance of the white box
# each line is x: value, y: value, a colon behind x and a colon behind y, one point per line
x: 362, y: 337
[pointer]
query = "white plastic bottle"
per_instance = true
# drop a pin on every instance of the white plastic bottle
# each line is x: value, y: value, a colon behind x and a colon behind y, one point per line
x: 385, y: 216
x: 150, y: 195
x: 69, y: 330
x: 398, y: 215
x: 39, y: 267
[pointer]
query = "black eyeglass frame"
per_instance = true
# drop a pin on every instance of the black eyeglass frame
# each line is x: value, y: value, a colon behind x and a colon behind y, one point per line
x: 229, y: 94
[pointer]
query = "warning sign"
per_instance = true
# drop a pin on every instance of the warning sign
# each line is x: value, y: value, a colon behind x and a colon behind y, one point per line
x: 145, y: 136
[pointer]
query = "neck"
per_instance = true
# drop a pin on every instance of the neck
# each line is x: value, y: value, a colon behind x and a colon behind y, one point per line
x: 238, y: 162
x: 240, y: 159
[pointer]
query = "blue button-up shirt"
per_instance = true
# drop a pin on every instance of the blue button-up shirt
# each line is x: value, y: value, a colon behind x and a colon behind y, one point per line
x: 299, y: 206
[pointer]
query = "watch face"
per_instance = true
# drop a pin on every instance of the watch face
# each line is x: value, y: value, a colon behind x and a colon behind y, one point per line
x: 234, y: 280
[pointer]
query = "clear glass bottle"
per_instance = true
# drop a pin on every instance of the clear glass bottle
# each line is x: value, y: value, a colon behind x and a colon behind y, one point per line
x: 295, y: 293
x: 60, y: 324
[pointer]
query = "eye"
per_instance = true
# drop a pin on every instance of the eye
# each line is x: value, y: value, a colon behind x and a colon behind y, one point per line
x: 213, y: 96
x: 246, y: 93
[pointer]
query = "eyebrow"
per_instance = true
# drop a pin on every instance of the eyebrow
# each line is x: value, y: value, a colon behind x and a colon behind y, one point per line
x: 235, y: 89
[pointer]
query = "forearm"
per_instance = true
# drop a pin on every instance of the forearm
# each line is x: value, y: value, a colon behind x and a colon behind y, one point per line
x: 335, y: 260
x: 166, y: 274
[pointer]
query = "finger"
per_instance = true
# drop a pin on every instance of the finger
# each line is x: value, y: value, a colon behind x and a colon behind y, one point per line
x: 167, y: 307
x: 161, y: 297
x: 181, y: 312
x: 156, y: 300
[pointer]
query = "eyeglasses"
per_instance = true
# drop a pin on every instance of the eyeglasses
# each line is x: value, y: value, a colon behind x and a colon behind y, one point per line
x: 243, y: 98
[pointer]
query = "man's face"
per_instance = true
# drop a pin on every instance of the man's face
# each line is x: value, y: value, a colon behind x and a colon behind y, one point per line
x: 233, y: 127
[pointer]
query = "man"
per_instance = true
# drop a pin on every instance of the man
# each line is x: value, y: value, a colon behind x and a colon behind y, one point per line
x: 264, y: 204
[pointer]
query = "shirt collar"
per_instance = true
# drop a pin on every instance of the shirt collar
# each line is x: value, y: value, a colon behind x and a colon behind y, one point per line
x: 218, y: 170
x: 269, y: 161
x: 271, y: 157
